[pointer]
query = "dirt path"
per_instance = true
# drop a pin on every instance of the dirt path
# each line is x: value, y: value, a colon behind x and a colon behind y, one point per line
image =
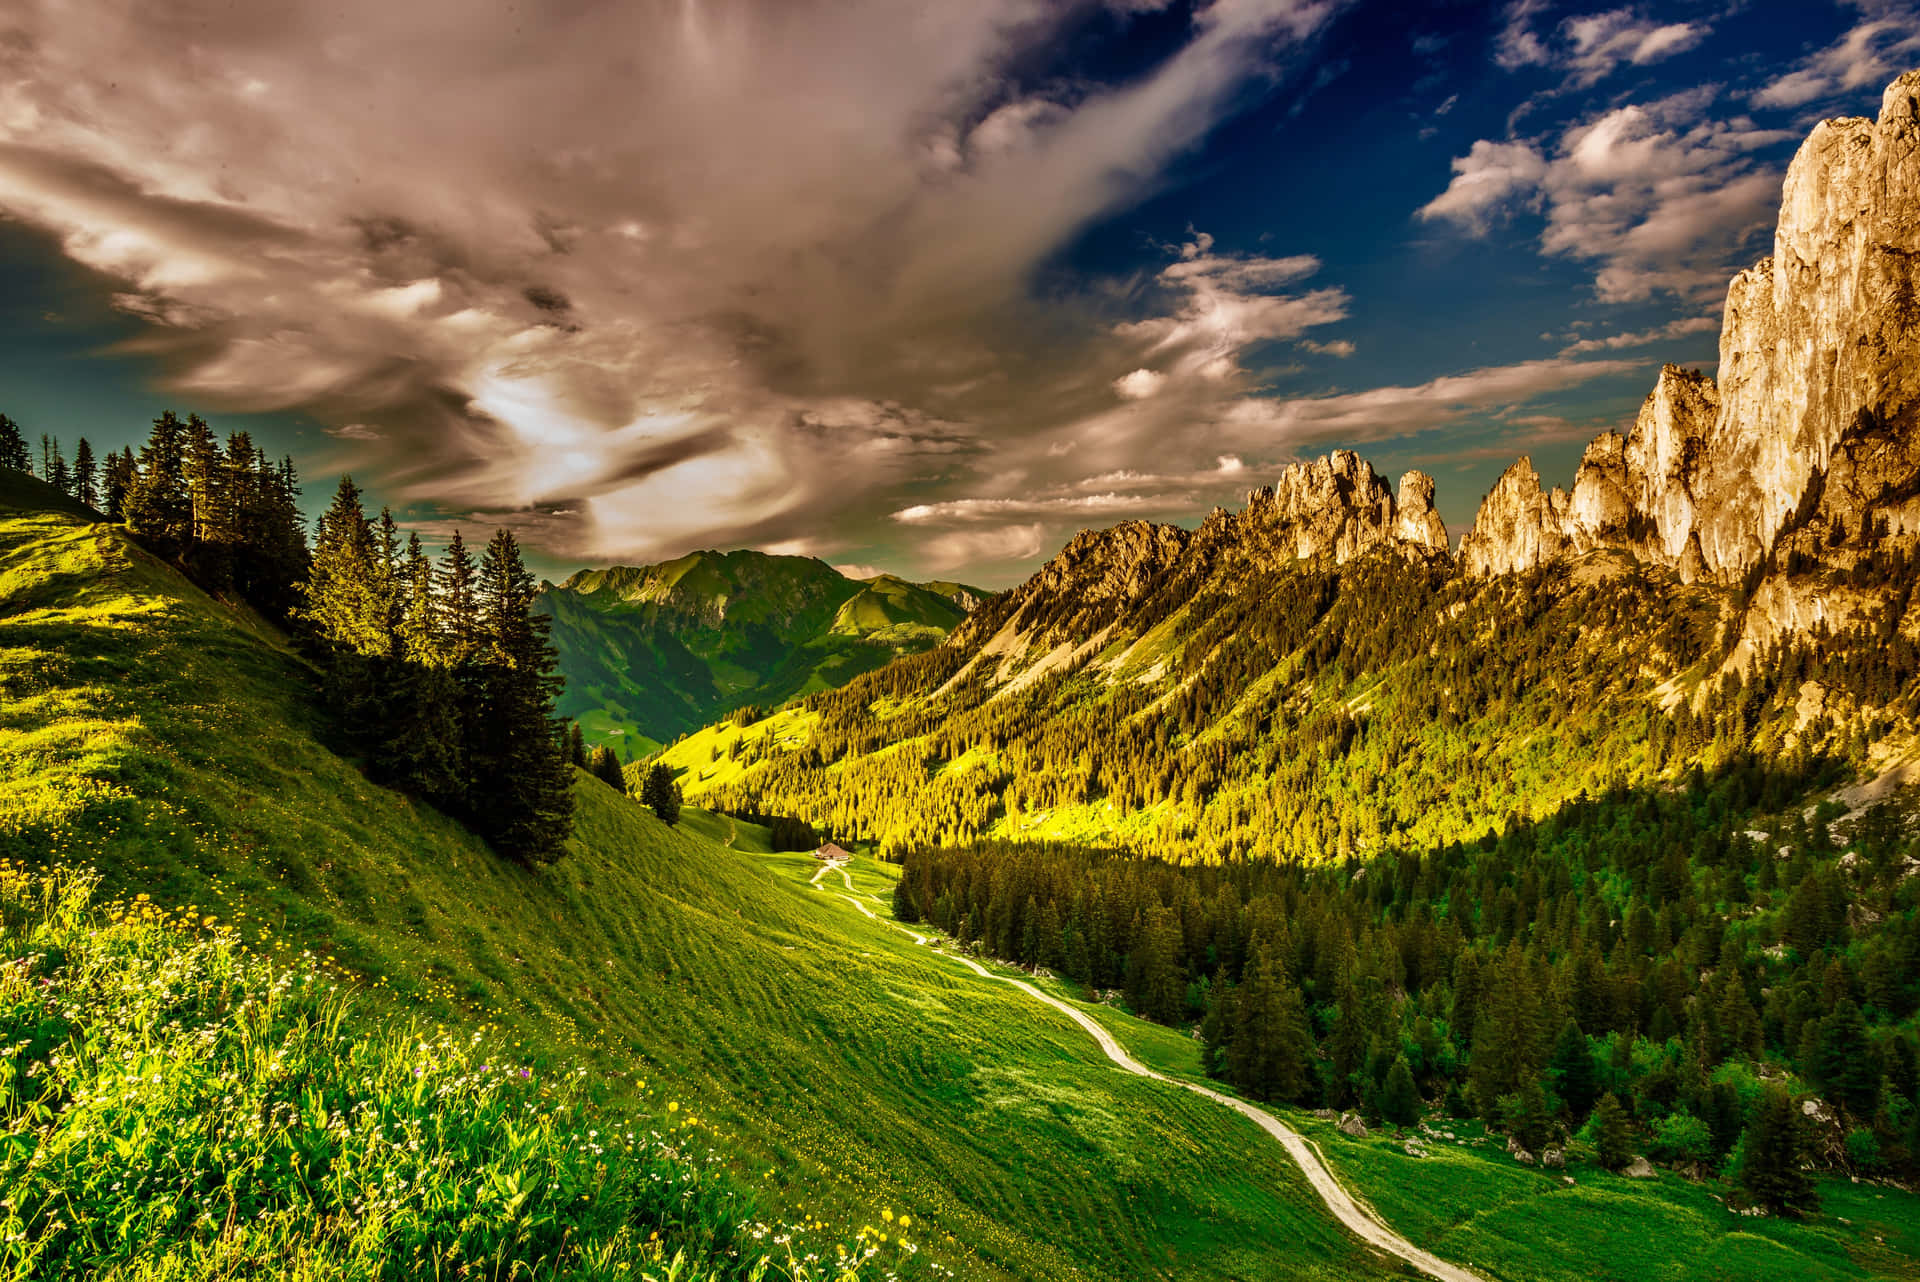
x: 1357, y: 1218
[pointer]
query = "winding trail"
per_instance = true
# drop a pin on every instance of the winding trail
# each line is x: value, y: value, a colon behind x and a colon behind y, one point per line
x: 1358, y: 1218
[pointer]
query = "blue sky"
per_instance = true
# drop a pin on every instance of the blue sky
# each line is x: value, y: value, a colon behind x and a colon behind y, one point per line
x: 903, y: 284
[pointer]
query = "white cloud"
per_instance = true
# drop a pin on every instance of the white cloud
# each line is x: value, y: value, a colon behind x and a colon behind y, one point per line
x: 1340, y: 347
x: 1139, y: 385
x: 1642, y: 338
x: 971, y: 549
x: 1227, y: 303
x: 1658, y: 197
x: 1490, y: 179
x: 1589, y: 47
x: 1886, y: 41
x: 1598, y: 43
x: 356, y: 432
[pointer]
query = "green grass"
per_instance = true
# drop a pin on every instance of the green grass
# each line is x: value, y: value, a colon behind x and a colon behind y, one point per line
x: 172, y: 1106
x: 171, y: 743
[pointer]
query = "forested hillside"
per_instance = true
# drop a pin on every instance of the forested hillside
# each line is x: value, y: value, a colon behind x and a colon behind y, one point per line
x: 651, y: 652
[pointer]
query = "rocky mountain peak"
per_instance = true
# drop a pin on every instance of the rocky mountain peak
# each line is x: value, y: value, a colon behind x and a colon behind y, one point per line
x: 1338, y: 506
x: 1818, y: 345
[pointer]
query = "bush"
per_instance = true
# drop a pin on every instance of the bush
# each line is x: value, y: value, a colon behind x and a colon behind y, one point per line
x: 1863, y: 1150
x: 1681, y: 1137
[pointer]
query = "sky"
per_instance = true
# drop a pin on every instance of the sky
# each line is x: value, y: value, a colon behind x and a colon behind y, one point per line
x: 916, y: 286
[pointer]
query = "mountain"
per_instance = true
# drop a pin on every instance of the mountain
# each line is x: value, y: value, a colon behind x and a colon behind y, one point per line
x: 651, y: 652
x: 1317, y: 674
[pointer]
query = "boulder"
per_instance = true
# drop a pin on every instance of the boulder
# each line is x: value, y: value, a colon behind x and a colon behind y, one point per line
x: 1553, y: 1158
x: 1352, y: 1125
x: 1639, y: 1169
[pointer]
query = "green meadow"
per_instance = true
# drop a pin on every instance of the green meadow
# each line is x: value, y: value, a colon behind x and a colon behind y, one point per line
x: 172, y: 744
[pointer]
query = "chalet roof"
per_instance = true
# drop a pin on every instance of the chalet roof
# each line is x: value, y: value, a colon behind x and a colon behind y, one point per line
x: 831, y: 851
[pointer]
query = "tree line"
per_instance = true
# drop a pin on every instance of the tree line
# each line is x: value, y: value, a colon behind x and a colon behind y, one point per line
x: 439, y: 675
x: 1644, y: 971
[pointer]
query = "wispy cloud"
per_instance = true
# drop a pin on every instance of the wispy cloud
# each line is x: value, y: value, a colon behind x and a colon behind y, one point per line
x: 1886, y: 40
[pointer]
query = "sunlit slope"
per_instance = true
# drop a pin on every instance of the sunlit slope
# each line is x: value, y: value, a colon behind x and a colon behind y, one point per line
x: 153, y: 732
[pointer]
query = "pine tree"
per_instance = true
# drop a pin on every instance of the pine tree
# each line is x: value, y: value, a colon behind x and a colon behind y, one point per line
x: 1399, y: 1097
x: 158, y: 509
x: 53, y: 468
x: 116, y: 480
x: 662, y: 793
x: 522, y: 783
x: 85, y: 485
x: 1571, y: 1070
x: 604, y: 765
x: 1270, y: 1055
x: 459, y: 607
x: 1611, y: 1133
x: 1843, y: 1060
x: 344, y: 604
x: 577, y: 746
x: 1773, y: 1149
x: 14, y: 454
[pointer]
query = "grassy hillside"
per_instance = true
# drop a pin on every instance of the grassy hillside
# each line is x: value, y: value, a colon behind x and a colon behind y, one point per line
x: 166, y: 740
x: 651, y: 652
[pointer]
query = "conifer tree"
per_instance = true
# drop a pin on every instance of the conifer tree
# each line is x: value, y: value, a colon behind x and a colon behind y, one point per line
x: 14, y: 454
x: 604, y: 765
x: 1571, y: 1070
x: 576, y: 746
x: 661, y: 793
x: 1399, y: 1097
x: 1611, y: 1133
x: 1772, y: 1152
x: 116, y: 479
x: 53, y: 468
x: 158, y: 509
x: 1270, y: 1054
x: 459, y: 607
x: 85, y: 487
x: 522, y: 784
x: 1843, y: 1060
x: 344, y: 602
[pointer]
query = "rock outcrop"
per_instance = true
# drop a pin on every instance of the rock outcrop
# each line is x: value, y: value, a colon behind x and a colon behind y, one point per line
x: 1819, y: 380
x: 1339, y: 507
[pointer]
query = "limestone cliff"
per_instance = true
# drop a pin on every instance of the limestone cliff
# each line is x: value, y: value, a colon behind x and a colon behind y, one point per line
x: 1812, y: 416
x: 1339, y: 507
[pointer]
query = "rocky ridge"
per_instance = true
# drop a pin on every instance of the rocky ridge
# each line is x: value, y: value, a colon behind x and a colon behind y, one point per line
x: 1813, y: 413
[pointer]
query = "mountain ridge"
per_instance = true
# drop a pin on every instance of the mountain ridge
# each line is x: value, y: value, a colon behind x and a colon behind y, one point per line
x: 653, y: 651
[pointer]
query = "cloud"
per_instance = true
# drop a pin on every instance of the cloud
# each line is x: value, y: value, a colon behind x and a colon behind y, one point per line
x: 1385, y: 412
x: 1642, y: 338
x: 1657, y: 196
x: 356, y: 432
x: 1866, y: 57
x: 1489, y: 180
x: 668, y: 274
x: 1139, y: 385
x: 1337, y: 347
x: 1598, y: 43
x: 1224, y: 304
x: 973, y: 549
x: 1590, y: 47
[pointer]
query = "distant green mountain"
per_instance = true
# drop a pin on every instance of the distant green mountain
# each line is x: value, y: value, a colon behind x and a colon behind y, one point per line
x: 651, y: 652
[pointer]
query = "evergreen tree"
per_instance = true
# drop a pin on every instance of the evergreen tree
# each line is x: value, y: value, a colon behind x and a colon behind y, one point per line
x: 157, y: 507
x: 661, y: 793
x: 459, y: 604
x: 85, y: 474
x: 1843, y: 1060
x: 345, y: 605
x: 14, y: 454
x: 1772, y: 1153
x: 576, y: 746
x: 1571, y: 1070
x: 116, y: 479
x: 1399, y: 1097
x: 1270, y: 1055
x: 521, y: 795
x: 604, y: 765
x: 1611, y: 1133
